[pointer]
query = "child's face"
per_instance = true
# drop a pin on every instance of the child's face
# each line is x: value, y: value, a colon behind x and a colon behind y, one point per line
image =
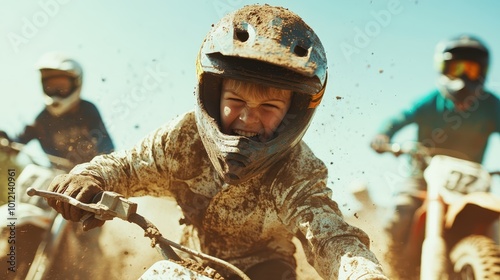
x: 252, y: 110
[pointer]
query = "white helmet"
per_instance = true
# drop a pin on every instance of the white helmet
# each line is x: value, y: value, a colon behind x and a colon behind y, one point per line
x: 52, y: 65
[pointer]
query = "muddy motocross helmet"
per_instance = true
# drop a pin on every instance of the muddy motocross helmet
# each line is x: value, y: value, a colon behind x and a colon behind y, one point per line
x: 61, y: 81
x: 463, y: 65
x: 265, y: 45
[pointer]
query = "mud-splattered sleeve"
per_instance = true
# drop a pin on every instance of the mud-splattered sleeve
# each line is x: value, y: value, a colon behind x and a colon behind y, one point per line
x: 142, y: 170
x: 336, y: 249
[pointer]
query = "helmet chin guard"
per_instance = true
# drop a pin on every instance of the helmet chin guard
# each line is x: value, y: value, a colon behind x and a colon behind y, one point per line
x: 58, y: 106
x: 265, y: 45
x: 458, y: 90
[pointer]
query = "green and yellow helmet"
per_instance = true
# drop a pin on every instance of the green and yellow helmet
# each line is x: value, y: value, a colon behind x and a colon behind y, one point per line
x: 266, y: 45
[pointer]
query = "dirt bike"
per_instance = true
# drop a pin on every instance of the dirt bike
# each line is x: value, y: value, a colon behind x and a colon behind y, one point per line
x: 450, y: 233
x: 111, y: 205
x: 31, y: 222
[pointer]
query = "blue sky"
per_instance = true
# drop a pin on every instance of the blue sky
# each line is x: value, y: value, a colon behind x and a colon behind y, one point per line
x: 379, y: 57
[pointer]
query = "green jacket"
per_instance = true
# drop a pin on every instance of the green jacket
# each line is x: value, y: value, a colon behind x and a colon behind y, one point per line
x: 441, y: 126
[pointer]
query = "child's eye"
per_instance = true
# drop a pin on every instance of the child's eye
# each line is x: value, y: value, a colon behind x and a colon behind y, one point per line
x: 270, y: 106
x: 235, y: 100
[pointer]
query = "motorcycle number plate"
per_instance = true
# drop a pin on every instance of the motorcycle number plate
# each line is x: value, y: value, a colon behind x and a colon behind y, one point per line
x: 456, y: 175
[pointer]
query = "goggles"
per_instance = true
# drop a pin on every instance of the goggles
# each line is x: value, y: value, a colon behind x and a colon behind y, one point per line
x: 59, y: 86
x: 460, y: 68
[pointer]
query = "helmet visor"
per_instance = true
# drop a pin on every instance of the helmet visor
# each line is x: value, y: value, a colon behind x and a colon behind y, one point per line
x: 463, y: 68
x: 58, y: 86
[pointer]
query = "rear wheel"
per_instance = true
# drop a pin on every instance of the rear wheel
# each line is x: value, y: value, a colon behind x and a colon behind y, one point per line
x: 475, y: 258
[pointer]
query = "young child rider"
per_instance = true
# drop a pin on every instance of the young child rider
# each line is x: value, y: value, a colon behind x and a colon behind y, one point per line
x: 245, y: 181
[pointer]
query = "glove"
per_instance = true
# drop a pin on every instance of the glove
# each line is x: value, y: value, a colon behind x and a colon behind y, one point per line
x: 379, y: 142
x: 81, y: 187
x: 4, y: 139
x: 4, y: 135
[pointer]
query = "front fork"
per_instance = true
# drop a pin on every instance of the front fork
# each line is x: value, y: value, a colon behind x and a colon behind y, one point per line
x: 433, y: 258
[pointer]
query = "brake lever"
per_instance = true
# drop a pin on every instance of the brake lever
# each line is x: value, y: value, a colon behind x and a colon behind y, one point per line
x: 111, y: 205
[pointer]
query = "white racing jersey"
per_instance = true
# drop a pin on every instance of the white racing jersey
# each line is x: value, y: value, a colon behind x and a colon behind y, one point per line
x: 248, y: 223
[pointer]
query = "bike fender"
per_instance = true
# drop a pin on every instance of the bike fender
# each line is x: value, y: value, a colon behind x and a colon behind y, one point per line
x: 484, y: 200
x: 166, y: 269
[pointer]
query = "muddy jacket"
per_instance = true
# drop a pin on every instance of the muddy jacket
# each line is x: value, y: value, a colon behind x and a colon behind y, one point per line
x: 248, y: 223
x: 77, y: 136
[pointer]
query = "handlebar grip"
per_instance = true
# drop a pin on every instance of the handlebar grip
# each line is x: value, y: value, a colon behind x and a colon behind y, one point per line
x: 110, y: 205
x: 65, y: 198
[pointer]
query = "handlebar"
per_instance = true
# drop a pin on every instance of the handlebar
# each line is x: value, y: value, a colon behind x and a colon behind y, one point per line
x: 113, y: 205
x: 417, y: 149
x: 409, y: 148
x: 6, y: 144
x: 393, y: 148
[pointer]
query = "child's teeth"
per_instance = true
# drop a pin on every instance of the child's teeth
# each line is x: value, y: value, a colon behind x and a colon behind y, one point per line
x: 245, y: 133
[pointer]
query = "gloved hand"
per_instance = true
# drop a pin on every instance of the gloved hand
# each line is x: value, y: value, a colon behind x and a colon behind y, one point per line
x: 379, y: 142
x: 81, y: 187
x: 4, y: 134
